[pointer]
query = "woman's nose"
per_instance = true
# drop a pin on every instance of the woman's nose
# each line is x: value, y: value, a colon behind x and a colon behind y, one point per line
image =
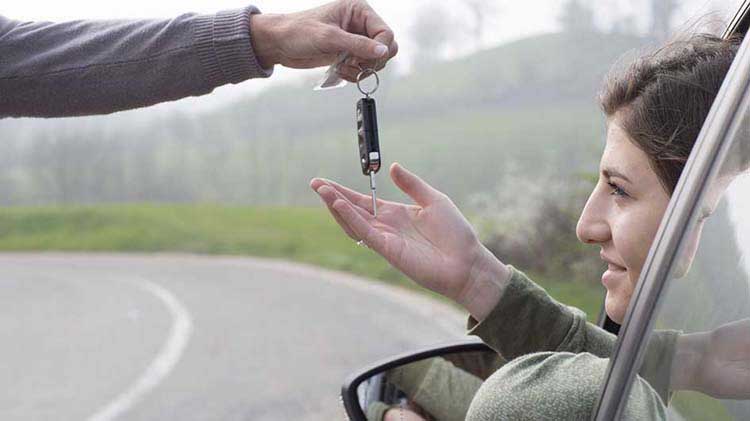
x: 592, y: 226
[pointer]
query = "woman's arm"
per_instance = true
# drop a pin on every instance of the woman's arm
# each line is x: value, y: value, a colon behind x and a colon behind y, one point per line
x: 433, y: 244
x: 526, y: 319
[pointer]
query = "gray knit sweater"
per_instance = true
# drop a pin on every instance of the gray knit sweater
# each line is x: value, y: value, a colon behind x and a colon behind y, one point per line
x: 98, y: 67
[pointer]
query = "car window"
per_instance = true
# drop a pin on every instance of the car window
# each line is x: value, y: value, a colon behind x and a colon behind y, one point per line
x: 697, y: 356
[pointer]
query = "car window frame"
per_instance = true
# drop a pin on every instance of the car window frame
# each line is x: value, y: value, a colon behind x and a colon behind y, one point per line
x: 712, y: 144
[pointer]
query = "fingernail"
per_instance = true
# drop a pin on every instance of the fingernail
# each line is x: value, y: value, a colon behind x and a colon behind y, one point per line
x: 381, y: 50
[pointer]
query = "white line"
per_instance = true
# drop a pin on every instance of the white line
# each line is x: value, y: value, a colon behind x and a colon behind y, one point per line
x: 164, y: 362
x: 448, y: 318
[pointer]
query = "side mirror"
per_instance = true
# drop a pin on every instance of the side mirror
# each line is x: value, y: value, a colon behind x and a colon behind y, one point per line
x: 437, y: 383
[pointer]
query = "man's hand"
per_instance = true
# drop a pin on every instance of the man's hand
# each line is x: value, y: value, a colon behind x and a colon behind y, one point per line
x: 316, y: 37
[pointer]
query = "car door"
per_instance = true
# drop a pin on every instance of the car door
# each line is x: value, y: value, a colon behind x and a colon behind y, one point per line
x: 688, y: 324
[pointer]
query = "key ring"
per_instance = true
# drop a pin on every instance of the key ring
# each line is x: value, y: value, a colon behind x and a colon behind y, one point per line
x: 363, y: 73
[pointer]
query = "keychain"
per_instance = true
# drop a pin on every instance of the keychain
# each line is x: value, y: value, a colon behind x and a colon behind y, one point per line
x: 367, y: 132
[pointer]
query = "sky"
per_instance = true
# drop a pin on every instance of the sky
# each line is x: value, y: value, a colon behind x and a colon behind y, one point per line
x: 512, y: 20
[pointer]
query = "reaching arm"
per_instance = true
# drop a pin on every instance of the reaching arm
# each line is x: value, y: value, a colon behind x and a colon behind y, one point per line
x: 99, y: 67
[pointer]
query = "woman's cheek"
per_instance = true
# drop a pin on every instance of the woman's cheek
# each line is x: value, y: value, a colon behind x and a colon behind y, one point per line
x: 633, y: 237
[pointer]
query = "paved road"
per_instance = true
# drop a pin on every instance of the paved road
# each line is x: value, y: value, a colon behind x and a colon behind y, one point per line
x: 181, y: 337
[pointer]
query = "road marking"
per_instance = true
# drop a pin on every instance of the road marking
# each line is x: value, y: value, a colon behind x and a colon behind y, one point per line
x: 446, y: 317
x: 164, y: 362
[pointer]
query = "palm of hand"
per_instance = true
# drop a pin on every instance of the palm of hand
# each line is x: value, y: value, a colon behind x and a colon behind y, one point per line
x: 431, y: 245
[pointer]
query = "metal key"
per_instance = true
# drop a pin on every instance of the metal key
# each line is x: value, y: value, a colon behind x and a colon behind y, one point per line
x: 367, y: 134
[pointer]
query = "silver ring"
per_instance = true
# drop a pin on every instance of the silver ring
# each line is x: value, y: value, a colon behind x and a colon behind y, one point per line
x: 362, y: 74
x: 362, y: 243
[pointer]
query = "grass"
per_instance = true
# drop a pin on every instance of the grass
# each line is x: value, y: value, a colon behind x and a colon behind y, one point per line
x: 307, y: 235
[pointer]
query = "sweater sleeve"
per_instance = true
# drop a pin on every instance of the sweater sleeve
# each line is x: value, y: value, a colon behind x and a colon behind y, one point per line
x: 527, y: 320
x: 556, y: 386
x: 103, y: 66
x: 442, y: 389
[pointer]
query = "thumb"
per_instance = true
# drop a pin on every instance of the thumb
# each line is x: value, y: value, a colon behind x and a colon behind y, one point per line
x: 358, y: 45
x: 422, y: 193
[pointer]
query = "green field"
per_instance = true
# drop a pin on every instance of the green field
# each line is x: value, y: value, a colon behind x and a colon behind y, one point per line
x: 305, y: 235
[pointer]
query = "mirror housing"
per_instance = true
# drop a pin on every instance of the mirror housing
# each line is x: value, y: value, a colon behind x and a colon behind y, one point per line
x: 350, y: 391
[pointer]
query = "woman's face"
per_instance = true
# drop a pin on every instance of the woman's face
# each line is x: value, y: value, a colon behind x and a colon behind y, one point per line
x: 622, y: 216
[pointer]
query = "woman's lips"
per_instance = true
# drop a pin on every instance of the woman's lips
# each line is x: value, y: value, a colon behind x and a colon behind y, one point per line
x: 612, y: 274
x: 615, y: 268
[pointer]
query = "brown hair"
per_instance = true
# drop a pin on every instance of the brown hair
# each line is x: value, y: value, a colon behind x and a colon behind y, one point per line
x: 663, y: 98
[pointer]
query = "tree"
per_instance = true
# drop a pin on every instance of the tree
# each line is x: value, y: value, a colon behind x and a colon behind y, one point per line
x: 430, y: 33
x: 661, y: 18
x: 577, y: 17
x: 480, y: 11
x: 625, y: 25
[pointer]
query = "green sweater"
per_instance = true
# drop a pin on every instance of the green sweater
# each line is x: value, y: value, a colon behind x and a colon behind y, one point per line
x: 558, y: 361
x: 557, y: 364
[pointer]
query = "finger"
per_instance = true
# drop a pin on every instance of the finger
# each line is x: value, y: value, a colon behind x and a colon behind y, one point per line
x: 344, y: 226
x: 374, y: 26
x: 316, y: 184
x: 422, y: 193
x: 380, y: 63
x: 361, y: 202
x: 393, y: 49
x: 329, y: 195
x: 355, y: 197
x: 359, y: 225
x: 348, y: 73
x: 358, y: 45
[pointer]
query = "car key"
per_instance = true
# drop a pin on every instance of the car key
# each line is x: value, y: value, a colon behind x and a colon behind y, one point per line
x: 367, y: 135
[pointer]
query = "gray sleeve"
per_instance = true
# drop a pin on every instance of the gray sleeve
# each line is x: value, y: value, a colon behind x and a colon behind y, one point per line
x: 556, y: 386
x: 98, y: 67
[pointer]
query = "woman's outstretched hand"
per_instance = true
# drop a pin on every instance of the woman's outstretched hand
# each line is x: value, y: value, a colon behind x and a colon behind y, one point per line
x: 431, y: 242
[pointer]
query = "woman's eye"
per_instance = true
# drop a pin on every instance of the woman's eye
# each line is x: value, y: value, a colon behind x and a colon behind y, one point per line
x: 616, y: 190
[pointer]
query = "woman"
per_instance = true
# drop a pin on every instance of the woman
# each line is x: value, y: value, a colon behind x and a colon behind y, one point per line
x: 654, y: 111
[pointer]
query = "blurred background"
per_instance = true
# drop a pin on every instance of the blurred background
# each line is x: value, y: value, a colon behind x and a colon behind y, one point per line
x: 492, y: 102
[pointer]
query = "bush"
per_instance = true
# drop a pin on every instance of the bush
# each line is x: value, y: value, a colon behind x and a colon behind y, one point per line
x: 531, y: 223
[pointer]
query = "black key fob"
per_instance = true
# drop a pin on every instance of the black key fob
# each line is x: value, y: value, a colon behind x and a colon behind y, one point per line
x: 367, y: 131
